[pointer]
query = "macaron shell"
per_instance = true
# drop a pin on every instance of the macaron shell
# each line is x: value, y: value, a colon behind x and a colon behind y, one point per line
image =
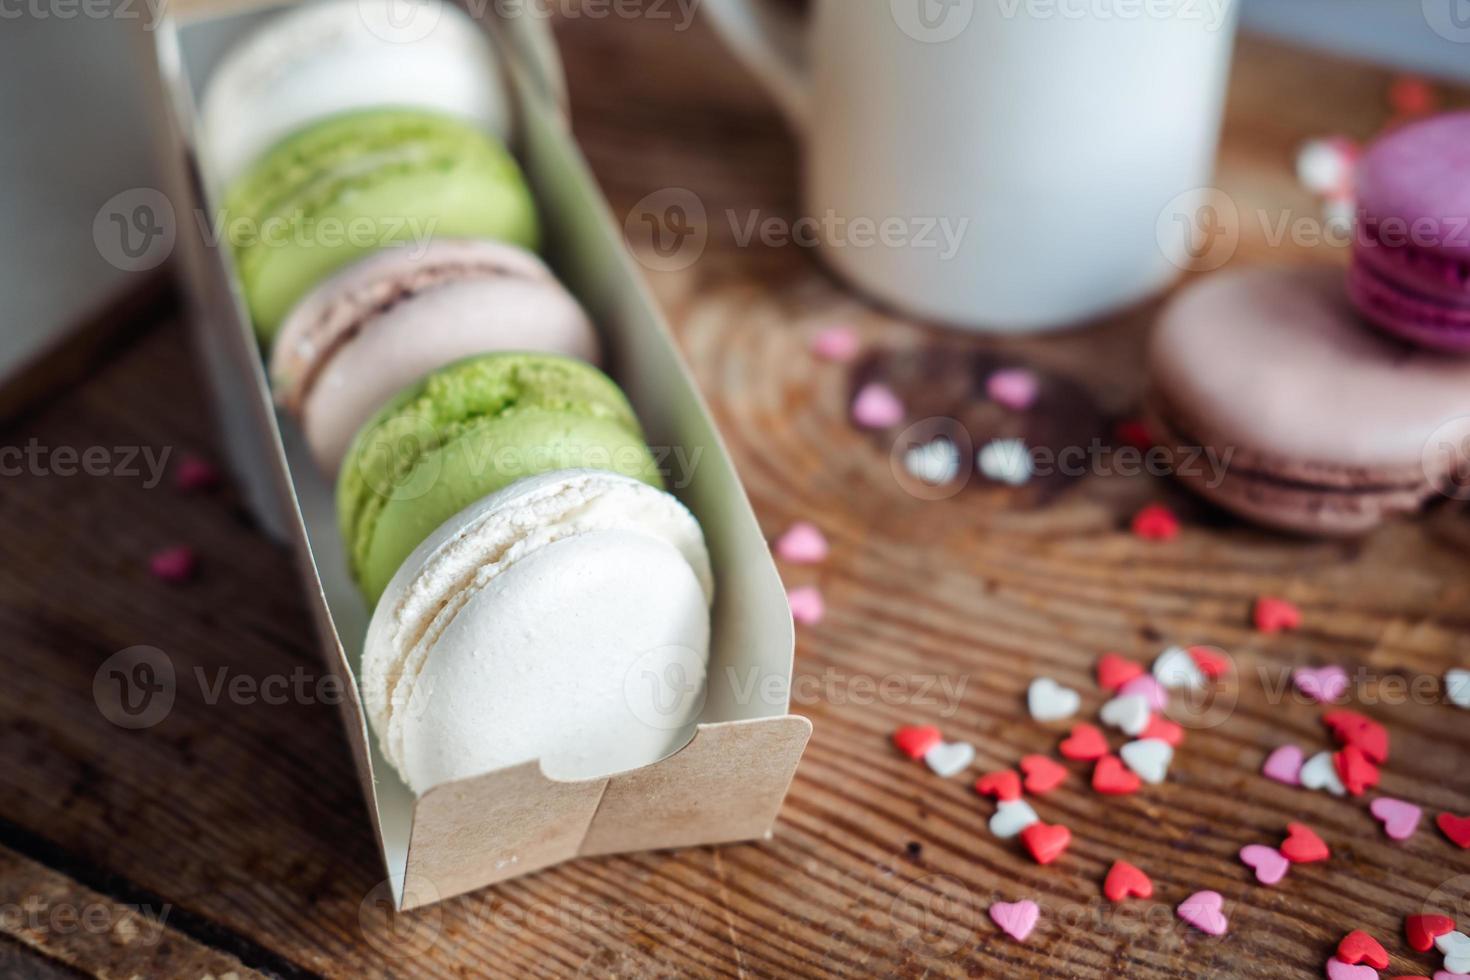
x: 1405, y: 313
x: 333, y: 56
x: 1417, y: 173
x: 548, y: 662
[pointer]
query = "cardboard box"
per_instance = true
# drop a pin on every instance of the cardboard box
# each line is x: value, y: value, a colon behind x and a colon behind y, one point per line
x: 728, y: 782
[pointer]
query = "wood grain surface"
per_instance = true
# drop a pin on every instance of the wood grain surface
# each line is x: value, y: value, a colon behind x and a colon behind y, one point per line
x: 239, y: 816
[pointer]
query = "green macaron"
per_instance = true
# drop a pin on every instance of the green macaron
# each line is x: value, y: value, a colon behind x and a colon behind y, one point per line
x: 361, y: 181
x: 467, y: 431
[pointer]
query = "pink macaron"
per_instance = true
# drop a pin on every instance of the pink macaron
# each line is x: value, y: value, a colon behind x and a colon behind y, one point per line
x: 389, y: 320
x: 1411, y: 260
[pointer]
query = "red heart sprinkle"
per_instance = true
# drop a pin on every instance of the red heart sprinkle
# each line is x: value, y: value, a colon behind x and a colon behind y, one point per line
x: 1303, y: 846
x: 1124, y: 881
x: 1455, y: 828
x: 173, y: 565
x: 1357, y: 773
x: 1115, y: 670
x: 1085, y: 744
x: 1042, y: 774
x: 1351, y: 728
x: 1005, y: 785
x: 1423, y: 930
x: 1359, y: 947
x: 195, y: 473
x: 1164, y: 730
x: 1156, y: 523
x: 1213, y: 663
x: 1112, y: 778
x: 1135, y: 433
x: 1046, y: 842
x: 914, y: 740
x: 1274, y: 615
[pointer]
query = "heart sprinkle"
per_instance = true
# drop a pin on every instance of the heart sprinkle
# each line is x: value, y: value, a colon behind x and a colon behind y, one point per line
x: 935, y: 462
x: 1212, y: 662
x: 1012, y: 817
x: 1322, y: 684
x: 194, y: 474
x: 1086, y: 744
x: 1303, y: 846
x: 1049, y: 701
x: 1006, y: 461
x: 1455, y: 828
x: 1358, y: 775
x: 1161, y: 729
x: 1320, y: 772
x: 807, y: 607
x: 1042, y: 774
x: 1285, y: 765
x: 1131, y: 714
x: 1422, y: 930
x: 1124, y: 881
x: 1114, y: 670
x: 1175, y: 669
x: 1155, y: 523
x: 1399, y: 819
x: 1149, y: 758
x: 1111, y: 778
x: 1015, y: 388
x: 1351, y: 728
x: 1455, y: 947
x: 1149, y: 688
x: 1005, y: 786
x: 1269, y: 864
x: 836, y: 343
x: 1359, y: 947
x: 1016, y: 919
x: 1274, y: 615
x: 914, y: 740
x: 1135, y: 433
x: 1338, y: 970
x: 1205, y: 911
x: 877, y: 407
x: 802, y: 544
x: 1457, y: 687
x: 1046, y: 842
x: 173, y: 565
x: 949, y: 758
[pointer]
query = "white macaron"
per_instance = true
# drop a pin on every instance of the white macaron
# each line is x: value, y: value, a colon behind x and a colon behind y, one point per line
x: 565, y: 620
x: 332, y: 56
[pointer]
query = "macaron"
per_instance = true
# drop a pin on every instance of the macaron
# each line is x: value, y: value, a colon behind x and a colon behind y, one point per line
x: 388, y: 320
x: 1274, y: 401
x: 469, y: 430
x: 356, y: 183
x: 1411, y: 257
x: 524, y: 628
x: 332, y: 56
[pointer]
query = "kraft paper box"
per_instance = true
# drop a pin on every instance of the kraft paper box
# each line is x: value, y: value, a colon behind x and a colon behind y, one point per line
x: 728, y: 782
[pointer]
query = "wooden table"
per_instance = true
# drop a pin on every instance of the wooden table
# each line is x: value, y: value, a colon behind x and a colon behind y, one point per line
x: 241, y: 824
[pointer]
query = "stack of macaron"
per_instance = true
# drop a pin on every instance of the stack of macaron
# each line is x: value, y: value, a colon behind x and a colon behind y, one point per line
x: 1307, y: 404
x: 499, y: 505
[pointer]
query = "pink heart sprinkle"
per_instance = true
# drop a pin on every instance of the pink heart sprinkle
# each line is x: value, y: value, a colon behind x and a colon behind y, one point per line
x: 1399, y: 819
x: 877, y: 407
x: 1447, y: 975
x: 1015, y: 388
x: 839, y: 343
x: 1338, y: 970
x: 1285, y: 765
x: 802, y: 544
x: 807, y: 606
x: 1205, y: 911
x: 1150, y: 688
x: 1270, y: 864
x: 1322, y: 684
x: 194, y: 474
x: 1016, y: 919
x: 173, y: 565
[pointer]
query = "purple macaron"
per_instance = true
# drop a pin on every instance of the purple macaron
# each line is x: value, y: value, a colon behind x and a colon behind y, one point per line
x: 1411, y: 259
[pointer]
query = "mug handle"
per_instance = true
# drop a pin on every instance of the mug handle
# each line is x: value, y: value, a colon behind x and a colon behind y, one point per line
x: 770, y: 39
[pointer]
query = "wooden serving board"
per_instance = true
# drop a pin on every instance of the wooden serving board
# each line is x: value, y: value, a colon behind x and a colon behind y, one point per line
x: 239, y: 824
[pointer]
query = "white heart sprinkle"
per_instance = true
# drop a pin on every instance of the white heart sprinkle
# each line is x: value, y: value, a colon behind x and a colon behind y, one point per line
x: 1320, y: 772
x: 1175, y: 668
x: 1006, y: 461
x: 936, y: 462
x: 1150, y: 758
x: 950, y: 758
x: 1011, y: 817
x: 1456, y: 949
x: 1457, y: 687
x: 1131, y: 713
x: 1050, y: 701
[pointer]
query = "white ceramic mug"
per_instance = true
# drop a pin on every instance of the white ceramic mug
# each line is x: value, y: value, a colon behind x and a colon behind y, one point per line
x: 1006, y: 165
